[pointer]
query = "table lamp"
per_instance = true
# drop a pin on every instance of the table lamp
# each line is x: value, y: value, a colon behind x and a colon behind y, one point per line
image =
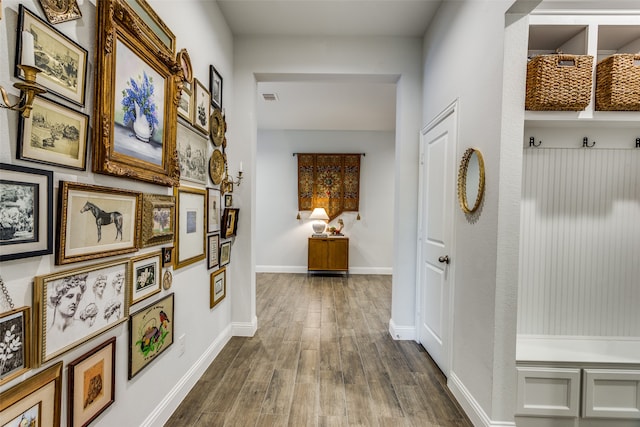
x: 320, y: 215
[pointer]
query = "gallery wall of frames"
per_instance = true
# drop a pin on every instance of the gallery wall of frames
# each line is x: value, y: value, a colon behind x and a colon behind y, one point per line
x: 116, y: 182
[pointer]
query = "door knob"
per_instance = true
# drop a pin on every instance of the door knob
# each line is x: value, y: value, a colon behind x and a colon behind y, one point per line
x: 444, y: 259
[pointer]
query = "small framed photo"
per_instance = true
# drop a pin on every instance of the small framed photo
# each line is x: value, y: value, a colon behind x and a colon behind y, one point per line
x: 218, y: 287
x: 91, y: 384
x: 96, y: 222
x: 158, y: 219
x: 228, y: 200
x: 213, y: 247
x: 26, y: 212
x: 15, y: 347
x: 185, y: 105
x: 167, y: 256
x: 145, y: 272
x: 213, y: 210
x: 202, y: 109
x: 191, y: 225
x: 63, y: 62
x: 193, y: 154
x: 229, y: 222
x: 35, y: 402
x: 53, y: 135
x: 150, y: 333
x: 225, y: 253
x: 215, y: 87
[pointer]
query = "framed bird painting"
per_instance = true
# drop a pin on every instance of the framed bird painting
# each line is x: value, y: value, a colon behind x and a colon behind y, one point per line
x: 150, y: 333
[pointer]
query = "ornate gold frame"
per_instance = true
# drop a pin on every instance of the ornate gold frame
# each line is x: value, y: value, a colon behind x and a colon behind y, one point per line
x: 149, y: 203
x: 117, y: 21
x: 462, y: 181
x: 56, y: 14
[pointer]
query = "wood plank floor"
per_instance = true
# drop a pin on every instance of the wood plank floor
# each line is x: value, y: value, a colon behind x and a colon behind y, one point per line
x: 322, y: 356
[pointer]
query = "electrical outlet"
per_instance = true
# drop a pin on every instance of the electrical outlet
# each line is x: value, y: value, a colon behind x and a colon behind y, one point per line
x: 181, y: 344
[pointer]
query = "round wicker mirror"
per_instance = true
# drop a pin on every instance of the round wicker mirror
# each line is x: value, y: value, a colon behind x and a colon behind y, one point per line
x: 471, y: 181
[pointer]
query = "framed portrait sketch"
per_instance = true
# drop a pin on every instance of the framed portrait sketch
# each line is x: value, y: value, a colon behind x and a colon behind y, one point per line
x: 192, y: 154
x: 192, y: 218
x: 217, y: 287
x: 215, y: 87
x: 34, y: 402
x: 150, y: 333
x: 26, y: 212
x: 225, y: 253
x: 15, y: 345
x: 77, y: 305
x: 53, y: 135
x: 136, y: 99
x: 61, y: 11
x: 95, y: 222
x: 202, y: 108
x: 91, y: 384
x: 213, y: 210
x: 229, y: 222
x: 63, y: 62
x: 167, y: 257
x: 213, y: 244
x: 145, y: 272
x: 158, y: 219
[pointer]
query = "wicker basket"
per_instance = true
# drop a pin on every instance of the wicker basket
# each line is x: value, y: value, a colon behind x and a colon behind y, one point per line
x: 618, y: 83
x: 559, y: 82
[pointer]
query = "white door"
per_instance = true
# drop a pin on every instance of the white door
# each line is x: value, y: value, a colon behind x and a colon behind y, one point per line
x: 437, y: 202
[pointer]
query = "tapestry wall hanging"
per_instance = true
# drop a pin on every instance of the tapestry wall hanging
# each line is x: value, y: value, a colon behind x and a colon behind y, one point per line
x: 330, y: 181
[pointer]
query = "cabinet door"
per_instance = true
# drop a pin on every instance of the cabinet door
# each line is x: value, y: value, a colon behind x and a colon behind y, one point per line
x: 339, y: 254
x: 318, y: 254
x: 552, y: 392
x: 611, y: 393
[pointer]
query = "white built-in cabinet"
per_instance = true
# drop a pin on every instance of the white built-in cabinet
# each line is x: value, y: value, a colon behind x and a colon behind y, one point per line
x: 578, y: 348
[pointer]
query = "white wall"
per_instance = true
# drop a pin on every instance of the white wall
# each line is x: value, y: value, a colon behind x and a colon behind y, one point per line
x: 281, y: 240
x: 167, y: 379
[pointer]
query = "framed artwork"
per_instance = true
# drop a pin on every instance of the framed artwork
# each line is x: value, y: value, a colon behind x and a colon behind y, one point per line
x: 91, y: 384
x: 185, y: 105
x: 63, y: 62
x: 192, y: 217
x: 167, y: 280
x: 136, y: 100
x: 15, y: 346
x: 215, y: 87
x: 53, y: 135
x: 77, y: 305
x: 158, y: 219
x: 95, y: 222
x: 202, y: 109
x: 60, y: 11
x: 145, y: 272
x: 228, y: 200
x: 213, y: 210
x: 213, y: 243
x: 34, y: 402
x: 192, y: 155
x: 156, y: 30
x: 26, y: 212
x: 225, y: 253
x: 217, y: 287
x: 167, y: 256
x: 183, y: 59
x: 150, y: 333
x: 229, y: 222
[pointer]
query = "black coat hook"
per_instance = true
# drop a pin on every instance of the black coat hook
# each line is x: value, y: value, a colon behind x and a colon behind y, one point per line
x: 532, y: 142
x: 585, y: 142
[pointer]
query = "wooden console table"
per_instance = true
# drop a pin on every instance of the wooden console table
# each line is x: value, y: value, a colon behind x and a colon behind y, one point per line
x: 328, y: 254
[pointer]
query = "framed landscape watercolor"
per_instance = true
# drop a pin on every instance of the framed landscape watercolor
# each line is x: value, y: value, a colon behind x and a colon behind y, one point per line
x: 136, y: 99
x: 191, y: 222
x: 158, y: 219
x: 150, y: 333
x: 77, y: 305
x: 96, y: 222
x: 91, y: 384
x: 145, y: 272
x: 35, y: 401
x: 26, y: 212
x: 63, y: 62
x: 217, y: 287
x: 213, y: 210
x: 53, y: 135
x: 192, y: 150
x: 15, y: 346
x: 202, y: 109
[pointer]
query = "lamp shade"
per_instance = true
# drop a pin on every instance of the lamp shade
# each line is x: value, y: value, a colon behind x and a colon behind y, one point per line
x: 319, y: 213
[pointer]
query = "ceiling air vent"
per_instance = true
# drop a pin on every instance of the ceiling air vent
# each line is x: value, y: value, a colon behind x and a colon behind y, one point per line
x: 269, y: 96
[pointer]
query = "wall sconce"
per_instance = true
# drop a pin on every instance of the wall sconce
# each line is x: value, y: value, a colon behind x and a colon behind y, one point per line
x: 28, y: 88
x: 226, y: 186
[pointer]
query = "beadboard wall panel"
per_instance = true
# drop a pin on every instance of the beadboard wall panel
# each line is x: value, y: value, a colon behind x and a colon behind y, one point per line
x: 580, y: 242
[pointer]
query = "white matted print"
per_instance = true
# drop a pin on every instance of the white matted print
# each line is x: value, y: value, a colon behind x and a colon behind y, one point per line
x: 192, y: 154
x: 213, y: 210
x: 145, y: 273
x: 192, y: 216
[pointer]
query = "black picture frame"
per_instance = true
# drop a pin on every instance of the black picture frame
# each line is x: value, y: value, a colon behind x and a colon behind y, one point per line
x: 215, y: 87
x: 229, y: 223
x: 39, y: 240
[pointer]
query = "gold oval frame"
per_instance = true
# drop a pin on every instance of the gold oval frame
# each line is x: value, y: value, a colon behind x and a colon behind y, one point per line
x: 216, y: 166
x: 462, y: 181
x: 183, y: 59
x: 217, y: 127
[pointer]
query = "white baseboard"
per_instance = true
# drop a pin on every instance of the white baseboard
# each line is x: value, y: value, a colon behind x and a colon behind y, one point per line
x: 470, y: 405
x: 402, y: 333
x: 386, y: 271
x: 172, y: 400
x: 244, y: 329
x: 303, y: 269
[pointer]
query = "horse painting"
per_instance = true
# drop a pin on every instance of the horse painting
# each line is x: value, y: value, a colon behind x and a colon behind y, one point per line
x: 104, y: 218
